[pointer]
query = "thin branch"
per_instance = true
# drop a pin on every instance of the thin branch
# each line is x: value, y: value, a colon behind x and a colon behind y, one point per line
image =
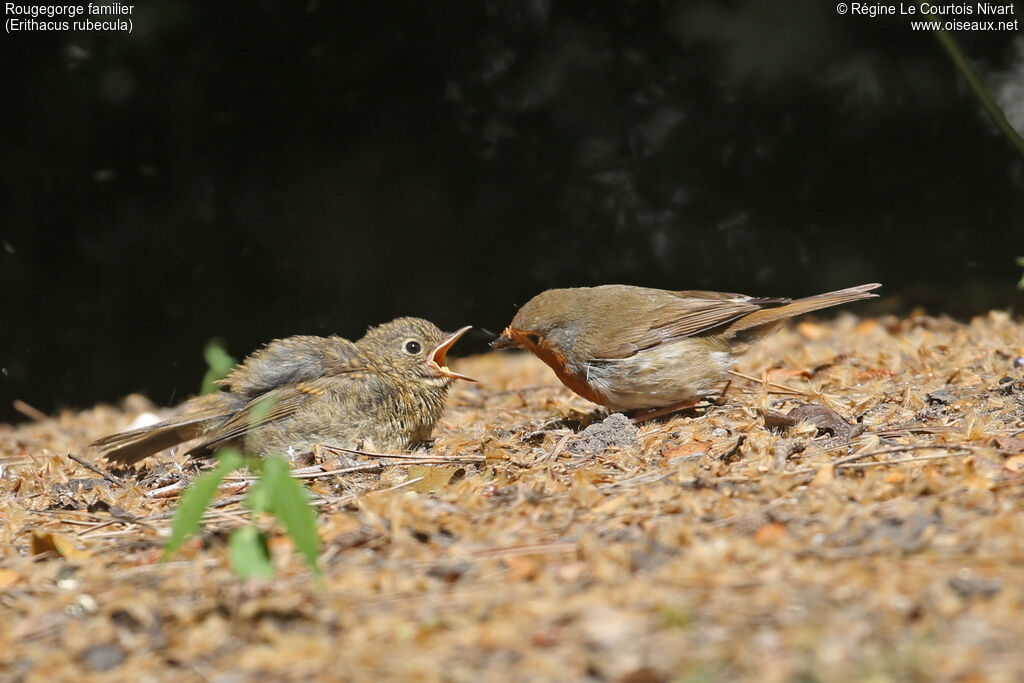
x: 559, y: 447
x: 780, y: 388
x: 468, y: 459
x: 992, y: 107
x: 92, y: 468
x: 29, y: 411
x: 902, y: 461
x: 529, y: 549
x: 845, y: 463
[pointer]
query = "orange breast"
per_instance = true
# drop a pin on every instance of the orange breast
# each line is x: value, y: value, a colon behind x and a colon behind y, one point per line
x: 556, y: 360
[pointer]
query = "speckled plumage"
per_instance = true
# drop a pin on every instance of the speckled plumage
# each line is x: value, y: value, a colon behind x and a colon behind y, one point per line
x: 385, y: 392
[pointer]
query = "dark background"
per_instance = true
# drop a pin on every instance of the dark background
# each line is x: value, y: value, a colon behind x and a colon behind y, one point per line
x: 251, y: 170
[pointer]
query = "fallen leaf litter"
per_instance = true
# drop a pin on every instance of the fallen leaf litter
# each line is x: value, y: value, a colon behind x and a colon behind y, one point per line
x: 851, y: 511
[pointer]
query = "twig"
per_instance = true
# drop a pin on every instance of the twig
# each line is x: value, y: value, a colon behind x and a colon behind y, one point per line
x: 554, y: 453
x: 894, y: 449
x: 352, y: 497
x: 171, y: 490
x: 29, y: 411
x: 844, y: 463
x: 781, y: 388
x: 862, y: 465
x: 97, y: 527
x: 1008, y: 482
x: 407, y: 482
x: 159, y: 566
x: 129, y: 530
x: 365, y: 467
x: 531, y: 549
x: 653, y: 477
x: 92, y: 468
x: 757, y: 514
x: 312, y: 473
x: 890, y: 434
x: 731, y: 451
x: 991, y: 107
x: 403, y: 456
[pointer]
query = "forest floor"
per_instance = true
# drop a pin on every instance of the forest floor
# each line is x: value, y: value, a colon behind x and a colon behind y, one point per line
x: 875, y: 535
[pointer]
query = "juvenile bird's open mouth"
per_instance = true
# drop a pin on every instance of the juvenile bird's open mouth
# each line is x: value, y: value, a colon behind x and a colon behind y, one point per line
x: 436, y: 361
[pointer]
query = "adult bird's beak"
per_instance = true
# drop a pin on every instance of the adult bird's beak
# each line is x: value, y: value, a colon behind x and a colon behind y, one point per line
x: 436, y: 361
x: 505, y: 341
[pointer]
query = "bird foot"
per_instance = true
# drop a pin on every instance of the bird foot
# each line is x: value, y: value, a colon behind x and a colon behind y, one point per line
x: 667, y: 410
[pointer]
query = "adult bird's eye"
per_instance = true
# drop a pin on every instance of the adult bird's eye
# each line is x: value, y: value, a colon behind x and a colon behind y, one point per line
x: 533, y: 339
x: 412, y: 347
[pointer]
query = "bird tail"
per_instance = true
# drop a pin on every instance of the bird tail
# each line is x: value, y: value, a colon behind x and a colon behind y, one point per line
x: 127, y: 448
x: 767, y: 320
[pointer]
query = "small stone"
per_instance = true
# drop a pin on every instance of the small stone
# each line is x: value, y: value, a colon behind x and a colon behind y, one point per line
x: 615, y: 430
x: 943, y: 396
x: 449, y: 572
x: 969, y: 586
x: 103, y: 657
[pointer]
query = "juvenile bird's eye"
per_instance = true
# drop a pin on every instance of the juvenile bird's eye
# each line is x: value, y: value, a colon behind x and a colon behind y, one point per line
x: 533, y: 338
x: 412, y: 347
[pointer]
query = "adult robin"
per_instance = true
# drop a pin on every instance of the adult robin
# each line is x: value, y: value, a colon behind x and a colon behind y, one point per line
x: 634, y: 348
x: 386, y: 391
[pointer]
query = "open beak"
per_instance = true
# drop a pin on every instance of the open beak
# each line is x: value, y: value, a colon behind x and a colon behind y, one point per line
x: 437, y: 358
x: 505, y: 341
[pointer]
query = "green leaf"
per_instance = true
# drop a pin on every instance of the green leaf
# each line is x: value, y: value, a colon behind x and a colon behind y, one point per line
x: 258, y: 498
x: 290, y: 503
x: 261, y: 408
x: 197, y: 498
x: 220, y: 363
x: 249, y: 552
x: 1020, y: 262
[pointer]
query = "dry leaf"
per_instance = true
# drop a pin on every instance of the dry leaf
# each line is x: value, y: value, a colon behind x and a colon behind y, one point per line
x: 873, y: 374
x: 812, y: 331
x: 45, y: 542
x: 770, y: 533
x: 824, y: 420
x: 665, y: 553
x: 782, y: 375
x: 1015, y: 463
x: 1009, y: 443
x: 825, y: 475
x: 867, y: 326
x: 521, y: 568
x: 691, y: 448
x: 9, y: 577
x: 433, y: 478
x: 583, y: 490
x: 610, y: 505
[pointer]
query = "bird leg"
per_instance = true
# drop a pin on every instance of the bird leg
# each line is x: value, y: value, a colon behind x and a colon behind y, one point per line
x: 667, y: 410
x: 720, y: 398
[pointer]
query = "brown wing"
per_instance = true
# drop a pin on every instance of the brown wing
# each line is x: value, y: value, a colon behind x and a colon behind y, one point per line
x: 127, y: 448
x: 273, y: 406
x: 290, y: 361
x: 687, y: 314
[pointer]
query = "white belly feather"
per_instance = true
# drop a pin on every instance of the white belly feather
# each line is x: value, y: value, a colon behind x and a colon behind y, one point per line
x: 675, y: 373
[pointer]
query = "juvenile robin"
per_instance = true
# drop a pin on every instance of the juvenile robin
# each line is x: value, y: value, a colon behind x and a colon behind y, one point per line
x: 634, y: 348
x: 385, y: 391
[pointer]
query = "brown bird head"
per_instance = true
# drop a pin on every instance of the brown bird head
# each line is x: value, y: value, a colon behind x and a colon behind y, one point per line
x: 412, y: 348
x: 548, y: 325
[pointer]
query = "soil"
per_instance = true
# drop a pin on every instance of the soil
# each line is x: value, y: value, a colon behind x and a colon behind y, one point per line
x: 852, y: 511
